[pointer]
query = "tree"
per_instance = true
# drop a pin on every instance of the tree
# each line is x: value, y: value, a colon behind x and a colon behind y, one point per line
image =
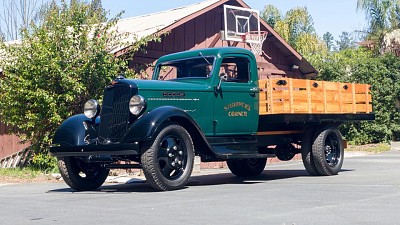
x: 328, y: 38
x: 383, y: 17
x: 16, y: 15
x: 96, y: 9
x: 59, y: 64
x: 296, y: 27
x: 345, y: 41
x: 382, y: 73
x: 271, y: 15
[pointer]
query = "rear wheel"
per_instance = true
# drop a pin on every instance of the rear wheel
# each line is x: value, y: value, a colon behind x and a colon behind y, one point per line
x: 306, y: 153
x: 247, y: 167
x: 168, y: 162
x: 328, y: 151
x: 80, y: 175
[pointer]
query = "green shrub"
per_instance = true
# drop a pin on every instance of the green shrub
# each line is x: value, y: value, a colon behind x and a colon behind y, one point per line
x: 380, y: 71
x: 59, y: 65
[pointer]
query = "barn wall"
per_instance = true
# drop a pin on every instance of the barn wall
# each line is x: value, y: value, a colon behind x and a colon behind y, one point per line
x: 9, y: 144
x: 204, y: 32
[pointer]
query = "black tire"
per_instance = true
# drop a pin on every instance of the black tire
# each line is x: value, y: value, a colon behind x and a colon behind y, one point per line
x: 306, y: 153
x: 285, y: 152
x: 168, y: 162
x: 80, y: 175
x: 247, y: 167
x: 328, y: 151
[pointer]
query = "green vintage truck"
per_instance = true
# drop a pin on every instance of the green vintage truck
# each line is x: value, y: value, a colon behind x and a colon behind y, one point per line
x: 208, y: 103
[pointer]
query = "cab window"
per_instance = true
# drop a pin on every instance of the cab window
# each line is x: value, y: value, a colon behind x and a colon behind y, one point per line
x: 237, y: 69
x: 189, y: 68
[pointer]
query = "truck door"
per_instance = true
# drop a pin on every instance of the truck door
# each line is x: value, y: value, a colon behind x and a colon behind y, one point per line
x: 236, y: 100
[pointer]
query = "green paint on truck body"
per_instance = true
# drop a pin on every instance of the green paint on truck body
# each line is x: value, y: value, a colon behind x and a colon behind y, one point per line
x: 230, y: 110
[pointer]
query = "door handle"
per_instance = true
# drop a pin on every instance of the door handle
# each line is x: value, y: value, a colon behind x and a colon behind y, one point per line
x: 255, y: 89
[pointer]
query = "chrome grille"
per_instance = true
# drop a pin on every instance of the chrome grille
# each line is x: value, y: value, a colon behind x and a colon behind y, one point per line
x: 114, y: 115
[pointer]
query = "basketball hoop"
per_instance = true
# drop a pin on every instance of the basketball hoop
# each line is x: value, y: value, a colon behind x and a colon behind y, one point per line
x: 256, y: 40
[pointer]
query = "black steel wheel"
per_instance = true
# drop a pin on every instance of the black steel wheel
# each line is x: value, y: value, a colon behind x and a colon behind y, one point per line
x: 328, y: 151
x: 80, y: 175
x: 247, y: 167
x: 168, y: 162
x: 285, y: 152
x: 306, y: 152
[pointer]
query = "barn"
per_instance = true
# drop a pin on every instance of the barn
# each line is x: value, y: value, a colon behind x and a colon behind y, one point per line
x: 201, y: 25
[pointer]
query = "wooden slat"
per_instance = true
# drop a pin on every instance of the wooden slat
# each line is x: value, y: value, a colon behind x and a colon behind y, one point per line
x: 287, y: 95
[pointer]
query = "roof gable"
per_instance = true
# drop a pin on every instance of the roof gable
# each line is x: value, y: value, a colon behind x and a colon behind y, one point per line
x: 162, y: 22
x: 142, y: 26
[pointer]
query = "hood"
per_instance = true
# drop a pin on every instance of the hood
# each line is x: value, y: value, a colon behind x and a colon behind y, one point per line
x: 177, y: 85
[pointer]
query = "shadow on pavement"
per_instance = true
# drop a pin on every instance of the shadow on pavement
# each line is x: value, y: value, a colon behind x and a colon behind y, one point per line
x: 197, y: 180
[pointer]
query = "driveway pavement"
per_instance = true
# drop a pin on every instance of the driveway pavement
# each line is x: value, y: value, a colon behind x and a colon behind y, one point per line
x: 367, y: 191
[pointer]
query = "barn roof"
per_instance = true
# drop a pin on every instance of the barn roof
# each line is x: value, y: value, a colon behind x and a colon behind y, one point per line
x: 141, y: 26
x: 165, y: 21
x: 3, y: 54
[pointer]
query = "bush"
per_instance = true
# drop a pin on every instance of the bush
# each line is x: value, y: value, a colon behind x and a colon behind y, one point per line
x: 58, y: 65
x: 383, y: 73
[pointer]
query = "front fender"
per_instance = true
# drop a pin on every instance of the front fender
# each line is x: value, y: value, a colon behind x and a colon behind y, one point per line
x: 148, y: 125
x: 72, y: 131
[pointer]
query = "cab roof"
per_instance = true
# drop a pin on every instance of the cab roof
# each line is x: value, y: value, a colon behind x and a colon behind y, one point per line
x: 206, y: 52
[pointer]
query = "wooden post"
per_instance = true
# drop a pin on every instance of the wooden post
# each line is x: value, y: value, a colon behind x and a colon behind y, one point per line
x: 353, y: 93
x: 309, y: 105
x: 324, y: 97
x: 291, y: 106
x: 339, y: 85
x: 269, y: 97
x: 366, y: 98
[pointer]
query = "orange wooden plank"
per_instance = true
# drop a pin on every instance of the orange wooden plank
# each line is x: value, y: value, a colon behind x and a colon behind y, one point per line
x: 308, y: 96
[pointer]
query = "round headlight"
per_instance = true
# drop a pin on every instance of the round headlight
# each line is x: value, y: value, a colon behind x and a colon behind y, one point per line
x: 137, y: 104
x: 91, y: 109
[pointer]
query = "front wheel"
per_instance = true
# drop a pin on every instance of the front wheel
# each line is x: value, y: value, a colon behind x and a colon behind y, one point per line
x: 168, y: 162
x: 80, y: 175
x: 247, y: 167
x: 328, y: 151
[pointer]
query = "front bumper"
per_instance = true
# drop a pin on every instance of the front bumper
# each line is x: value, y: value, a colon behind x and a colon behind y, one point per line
x: 95, y: 150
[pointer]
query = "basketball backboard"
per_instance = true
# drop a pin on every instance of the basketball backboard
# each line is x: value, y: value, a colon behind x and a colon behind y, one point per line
x: 238, y: 21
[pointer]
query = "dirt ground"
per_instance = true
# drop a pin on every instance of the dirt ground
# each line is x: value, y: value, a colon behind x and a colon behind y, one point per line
x: 42, y: 178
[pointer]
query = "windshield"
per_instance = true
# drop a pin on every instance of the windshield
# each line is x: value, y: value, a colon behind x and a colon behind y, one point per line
x: 200, y: 67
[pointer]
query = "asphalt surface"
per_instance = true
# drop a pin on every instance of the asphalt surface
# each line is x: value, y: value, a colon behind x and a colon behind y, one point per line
x: 367, y: 191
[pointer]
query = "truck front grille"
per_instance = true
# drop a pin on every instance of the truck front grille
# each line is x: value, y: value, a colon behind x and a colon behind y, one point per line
x: 114, y: 117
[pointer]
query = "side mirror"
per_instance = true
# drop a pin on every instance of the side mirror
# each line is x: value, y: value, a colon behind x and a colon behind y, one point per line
x: 222, y: 77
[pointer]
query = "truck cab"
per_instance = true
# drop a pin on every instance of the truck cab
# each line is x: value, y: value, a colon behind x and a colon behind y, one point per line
x: 203, y: 102
x: 228, y: 80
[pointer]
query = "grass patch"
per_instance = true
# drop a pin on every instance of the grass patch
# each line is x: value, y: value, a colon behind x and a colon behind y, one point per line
x: 24, y: 173
x: 371, y: 148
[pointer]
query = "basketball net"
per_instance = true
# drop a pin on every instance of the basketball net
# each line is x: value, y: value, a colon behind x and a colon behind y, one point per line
x: 256, y: 40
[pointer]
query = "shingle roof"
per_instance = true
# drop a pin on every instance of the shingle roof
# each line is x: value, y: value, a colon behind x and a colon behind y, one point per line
x: 141, y: 26
x: 3, y: 54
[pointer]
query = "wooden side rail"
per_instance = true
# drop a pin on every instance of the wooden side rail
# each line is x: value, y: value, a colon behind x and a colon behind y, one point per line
x: 291, y: 96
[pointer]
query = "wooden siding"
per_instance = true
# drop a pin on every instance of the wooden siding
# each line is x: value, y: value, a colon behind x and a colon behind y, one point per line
x: 9, y: 144
x: 204, y: 32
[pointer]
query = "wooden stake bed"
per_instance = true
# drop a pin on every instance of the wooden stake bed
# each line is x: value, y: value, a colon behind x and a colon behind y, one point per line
x: 300, y: 96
